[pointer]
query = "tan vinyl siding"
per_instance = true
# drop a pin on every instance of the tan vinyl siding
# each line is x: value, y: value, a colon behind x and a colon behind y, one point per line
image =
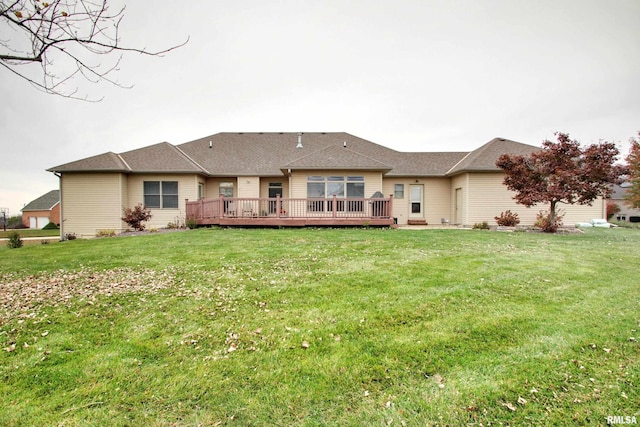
x: 400, y: 205
x: 488, y: 197
x: 91, y: 202
x: 187, y: 189
x: 437, y: 203
x: 436, y: 200
x: 249, y: 186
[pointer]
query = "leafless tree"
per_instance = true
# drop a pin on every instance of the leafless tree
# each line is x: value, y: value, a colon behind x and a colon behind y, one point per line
x: 68, y: 39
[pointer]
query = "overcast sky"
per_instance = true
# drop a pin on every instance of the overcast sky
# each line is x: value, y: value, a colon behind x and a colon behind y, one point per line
x: 413, y: 75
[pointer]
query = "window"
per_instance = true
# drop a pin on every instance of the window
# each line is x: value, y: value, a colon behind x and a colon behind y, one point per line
x: 161, y: 194
x: 200, y: 191
x: 316, y: 189
x: 351, y: 187
x: 226, y: 189
x: 355, y: 190
x: 398, y: 191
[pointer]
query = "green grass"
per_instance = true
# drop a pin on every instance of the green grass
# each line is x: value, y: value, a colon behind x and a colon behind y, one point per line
x: 27, y: 232
x: 322, y: 327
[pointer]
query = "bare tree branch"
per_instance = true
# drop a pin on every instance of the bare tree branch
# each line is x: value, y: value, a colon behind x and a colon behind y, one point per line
x: 64, y: 37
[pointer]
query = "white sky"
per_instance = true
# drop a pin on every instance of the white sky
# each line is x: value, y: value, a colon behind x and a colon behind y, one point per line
x: 413, y: 75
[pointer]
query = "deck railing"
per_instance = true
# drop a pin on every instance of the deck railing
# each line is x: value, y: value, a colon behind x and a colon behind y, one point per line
x: 276, y: 207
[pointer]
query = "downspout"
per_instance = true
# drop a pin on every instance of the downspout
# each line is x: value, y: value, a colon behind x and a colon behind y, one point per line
x: 59, y: 175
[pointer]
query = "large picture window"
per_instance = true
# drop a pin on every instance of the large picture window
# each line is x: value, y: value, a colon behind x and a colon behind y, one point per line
x: 161, y: 194
x: 350, y: 187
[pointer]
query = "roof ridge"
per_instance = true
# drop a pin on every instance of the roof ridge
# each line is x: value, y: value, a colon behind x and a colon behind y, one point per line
x: 190, y: 159
x: 126, y: 165
x: 459, y: 162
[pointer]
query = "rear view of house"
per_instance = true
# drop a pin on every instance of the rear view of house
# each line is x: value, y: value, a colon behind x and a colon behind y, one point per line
x: 42, y: 211
x: 297, y: 179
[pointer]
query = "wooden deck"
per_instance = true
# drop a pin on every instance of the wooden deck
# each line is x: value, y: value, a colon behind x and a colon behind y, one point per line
x: 279, y: 212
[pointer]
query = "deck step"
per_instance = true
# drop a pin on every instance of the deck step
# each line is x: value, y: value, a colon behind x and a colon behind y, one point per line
x: 417, y: 221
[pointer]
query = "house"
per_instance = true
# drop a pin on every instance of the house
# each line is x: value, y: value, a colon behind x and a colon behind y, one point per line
x: 324, y: 178
x: 626, y: 213
x: 42, y: 211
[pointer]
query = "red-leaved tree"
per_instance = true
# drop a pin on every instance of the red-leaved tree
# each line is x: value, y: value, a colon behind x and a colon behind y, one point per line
x: 633, y: 159
x: 562, y: 172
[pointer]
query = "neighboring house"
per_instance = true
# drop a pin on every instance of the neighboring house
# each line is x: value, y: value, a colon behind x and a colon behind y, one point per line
x: 240, y: 175
x: 42, y: 211
x: 618, y: 197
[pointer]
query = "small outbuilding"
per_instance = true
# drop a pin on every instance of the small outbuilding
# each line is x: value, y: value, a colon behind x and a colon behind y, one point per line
x: 42, y: 211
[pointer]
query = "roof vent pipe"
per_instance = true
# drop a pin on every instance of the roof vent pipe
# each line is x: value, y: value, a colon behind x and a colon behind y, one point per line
x: 344, y: 144
x: 210, y: 144
x: 299, y: 140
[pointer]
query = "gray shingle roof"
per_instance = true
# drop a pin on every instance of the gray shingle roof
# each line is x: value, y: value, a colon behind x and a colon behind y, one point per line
x: 44, y: 202
x: 269, y: 153
x: 265, y: 154
x: 424, y: 164
x: 619, y: 192
x: 484, y: 158
x: 336, y: 157
x: 162, y: 157
x: 107, y: 162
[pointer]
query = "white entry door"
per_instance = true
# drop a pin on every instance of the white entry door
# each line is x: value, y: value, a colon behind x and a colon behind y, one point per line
x: 415, y: 201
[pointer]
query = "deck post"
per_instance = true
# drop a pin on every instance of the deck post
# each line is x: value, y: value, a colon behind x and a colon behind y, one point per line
x: 221, y: 207
x: 390, y: 212
x: 334, y: 206
x: 201, y: 208
x: 278, y: 210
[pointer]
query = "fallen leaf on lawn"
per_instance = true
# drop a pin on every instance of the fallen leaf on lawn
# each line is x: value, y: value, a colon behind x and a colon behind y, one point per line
x: 10, y: 348
x: 305, y: 344
x: 533, y: 390
x: 45, y: 333
x: 607, y: 350
x: 437, y: 378
x: 258, y: 331
x: 522, y: 401
x: 508, y: 405
x: 232, y: 347
x: 623, y: 394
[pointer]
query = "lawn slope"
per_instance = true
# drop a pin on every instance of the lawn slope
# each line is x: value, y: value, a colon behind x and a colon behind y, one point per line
x: 322, y: 327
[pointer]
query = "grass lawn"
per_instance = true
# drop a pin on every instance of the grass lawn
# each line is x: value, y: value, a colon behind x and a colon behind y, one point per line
x: 345, y: 327
x: 27, y: 232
